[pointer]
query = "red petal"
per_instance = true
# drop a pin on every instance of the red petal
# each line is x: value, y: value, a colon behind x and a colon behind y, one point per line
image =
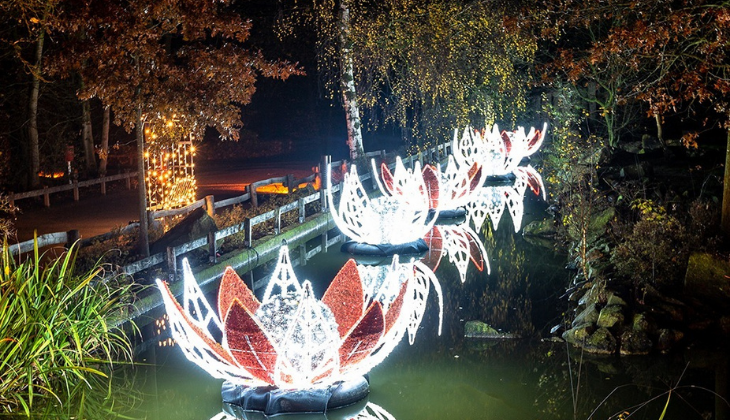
x: 387, y: 177
x: 395, y: 308
x: 435, y: 243
x: 430, y: 178
x: 231, y: 288
x: 475, y: 253
x: 345, y: 297
x: 533, y: 141
x: 475, y: 175
x: 363, y: 338
x: 507, y: 142
x: 214, y: 347
x: 248, y: 343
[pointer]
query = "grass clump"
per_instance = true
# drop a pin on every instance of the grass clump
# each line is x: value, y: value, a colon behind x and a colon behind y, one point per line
x: 56, y: 339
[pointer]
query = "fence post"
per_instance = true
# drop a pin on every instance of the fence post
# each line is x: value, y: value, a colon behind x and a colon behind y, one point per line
x: 76, y: 190
x: 210, y: 205
x: 290, y: 187
x: 11, y: 200
x: 71, y: 237
x: 212, y: 248
x: 302, y: 255
x: 247, y: 230
x: 277, y: 228
x: 128, y: 179
x: 171, y: 264
x: 302, y: 210
x: 46, y: 197
x: 323, y: 172
x: 324, y: 242
x: 254, y: 197
x: 103, y: 187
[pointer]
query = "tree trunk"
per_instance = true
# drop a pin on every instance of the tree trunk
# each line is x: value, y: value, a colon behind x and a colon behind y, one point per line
x: 659, y: 131
x: 725, y: 223
x: 87, y: 137
x: 35, y: 162
x: 144, y: 240
x: 347, y: 85
x: 104, y: 154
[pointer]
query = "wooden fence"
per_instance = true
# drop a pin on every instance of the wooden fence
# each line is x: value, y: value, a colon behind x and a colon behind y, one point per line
x: 171, y: 255
x: 73, y: 186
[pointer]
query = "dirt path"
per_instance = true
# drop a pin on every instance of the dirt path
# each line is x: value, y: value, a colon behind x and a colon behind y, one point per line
x: 95, y: 214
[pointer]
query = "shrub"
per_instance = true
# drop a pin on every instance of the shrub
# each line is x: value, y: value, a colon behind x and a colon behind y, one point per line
x: 55, y: 333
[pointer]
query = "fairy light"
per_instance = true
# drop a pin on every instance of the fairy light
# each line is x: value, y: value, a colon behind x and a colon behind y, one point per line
x: 291, y: 339
x: 171, y: 179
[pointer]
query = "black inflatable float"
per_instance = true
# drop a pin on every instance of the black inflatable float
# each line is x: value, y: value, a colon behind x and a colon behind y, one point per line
x: 450, y: 217
x: 270, y: 400
x: 358, y: 249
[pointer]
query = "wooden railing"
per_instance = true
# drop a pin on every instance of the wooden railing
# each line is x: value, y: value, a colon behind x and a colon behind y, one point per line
x: 75, y: 185
x: 170, y: 256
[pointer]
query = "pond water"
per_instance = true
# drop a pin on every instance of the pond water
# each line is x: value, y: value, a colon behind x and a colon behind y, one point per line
x: 448, y: 376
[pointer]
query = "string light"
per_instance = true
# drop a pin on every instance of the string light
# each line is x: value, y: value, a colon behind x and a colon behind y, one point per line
x: 171, y: 179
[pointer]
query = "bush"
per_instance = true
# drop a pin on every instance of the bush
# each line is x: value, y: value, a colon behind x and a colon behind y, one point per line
x: 55, y: 334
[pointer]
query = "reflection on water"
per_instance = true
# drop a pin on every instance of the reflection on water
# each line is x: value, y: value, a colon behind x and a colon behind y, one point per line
x: 450, y: 377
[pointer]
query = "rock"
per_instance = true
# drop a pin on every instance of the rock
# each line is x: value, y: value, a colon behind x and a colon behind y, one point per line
x: 638, y: 171
x: 479, y: 329
x: 706, y: 280
x: 593, y: 295
x: 588, y: 316
x: 578, y: 335
x: 633, y: 147
x: 635, y: 343
x: 649, y: 143
x: 599, y: 223
x: 601, y: 342
x: 195, y: 225
x: 666, y: 339
x: 545, y: 228
x: 610, y: 316
x: 615, y: 300
x: 642, y: 323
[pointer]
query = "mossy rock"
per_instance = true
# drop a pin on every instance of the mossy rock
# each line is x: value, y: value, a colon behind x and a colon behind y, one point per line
x: 601, y: 342
x: 544, y: 228
x: 615, y: 300
x: 635, y: 343
x: 706, y: 280
x: 588, y: 316
x: 643, y: 323
x: 592, y: 296
x: 610, y: 316
x: 479, y: 329
x: 578, y: 335
x: 667, y: 339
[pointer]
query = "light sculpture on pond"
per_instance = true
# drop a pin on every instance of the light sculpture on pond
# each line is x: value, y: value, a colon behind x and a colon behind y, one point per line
x: 447, y: 190
x: 290, y: 339
x: 492, y: 200
x: 498, y: 152
x: 460, y: 243
x: 390, y: 219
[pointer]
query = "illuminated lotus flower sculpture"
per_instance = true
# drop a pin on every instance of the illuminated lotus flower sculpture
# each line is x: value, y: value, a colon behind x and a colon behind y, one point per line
x: 460, y: 243
x: 493, y: 200
x: 290, y: 339
x: 391, y: 219
x: 447, y: 190
x: 498, y: 153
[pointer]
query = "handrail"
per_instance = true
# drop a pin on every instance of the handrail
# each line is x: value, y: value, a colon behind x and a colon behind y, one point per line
x: 46, y: 191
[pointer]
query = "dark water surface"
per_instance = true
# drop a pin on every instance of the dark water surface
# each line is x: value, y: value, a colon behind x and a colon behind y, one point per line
x: 451, y: 377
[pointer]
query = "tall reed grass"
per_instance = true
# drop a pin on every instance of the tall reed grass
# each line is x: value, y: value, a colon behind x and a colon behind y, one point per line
x: 56, y: 342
